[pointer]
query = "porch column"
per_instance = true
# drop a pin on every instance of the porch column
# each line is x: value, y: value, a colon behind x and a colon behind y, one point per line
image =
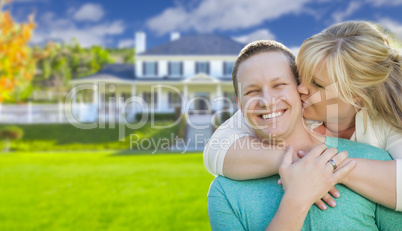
x: 133, y: 92
x: 159, y: 98
x: 218, y: 94
x: 184, y: 99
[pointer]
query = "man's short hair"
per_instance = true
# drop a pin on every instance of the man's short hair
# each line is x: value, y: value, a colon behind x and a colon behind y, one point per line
x: 258, y: 47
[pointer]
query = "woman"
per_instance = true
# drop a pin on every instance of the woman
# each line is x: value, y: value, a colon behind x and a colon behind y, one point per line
x: 349, y: 65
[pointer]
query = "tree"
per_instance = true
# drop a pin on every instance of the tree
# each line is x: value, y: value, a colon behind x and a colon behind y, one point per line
x: 17, y: 62
x: 67, y: 61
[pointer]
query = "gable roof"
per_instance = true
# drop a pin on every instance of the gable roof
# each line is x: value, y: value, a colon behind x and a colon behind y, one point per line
x: 110, y: 73
x: 204, y: 44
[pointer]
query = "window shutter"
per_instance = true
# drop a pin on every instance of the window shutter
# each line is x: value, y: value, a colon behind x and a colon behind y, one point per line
x: 196, y: 67
x: 181, y: 68
x: 224, y: 69
x: 156, y: 69
x: 169, y: 68
x: 207, y: 68
x: 144, y: 66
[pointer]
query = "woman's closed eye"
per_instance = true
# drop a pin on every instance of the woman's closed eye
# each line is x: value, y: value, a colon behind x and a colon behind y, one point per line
x: 317, y: 85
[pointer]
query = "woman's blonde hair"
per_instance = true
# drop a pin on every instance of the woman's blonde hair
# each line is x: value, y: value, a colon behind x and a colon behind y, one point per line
x: 358, y: 57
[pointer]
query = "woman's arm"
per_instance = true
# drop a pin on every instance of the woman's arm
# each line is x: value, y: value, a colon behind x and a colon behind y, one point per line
x: 378, y: 180
x: 249, y: 158
x: 306, y: 181
x: 235, y: 152
x: 375, y: 180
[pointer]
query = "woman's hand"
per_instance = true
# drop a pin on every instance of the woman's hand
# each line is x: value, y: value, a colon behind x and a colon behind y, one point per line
x: 327, y: 198
x: 309, y: 179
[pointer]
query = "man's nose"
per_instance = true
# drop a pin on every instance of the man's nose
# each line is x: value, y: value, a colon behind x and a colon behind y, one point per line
x: 267, y: 99
x: 302, y: 89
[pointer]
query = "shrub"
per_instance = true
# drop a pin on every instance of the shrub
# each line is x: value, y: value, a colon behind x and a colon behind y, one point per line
x: 11, y: 133
x: 156, y: 116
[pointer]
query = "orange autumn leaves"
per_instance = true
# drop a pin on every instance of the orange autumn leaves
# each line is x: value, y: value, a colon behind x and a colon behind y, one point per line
x: 17, y: 63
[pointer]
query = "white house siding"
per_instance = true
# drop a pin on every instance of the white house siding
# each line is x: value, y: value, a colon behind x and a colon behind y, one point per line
x: 188, y: 68
x: 216, y: 68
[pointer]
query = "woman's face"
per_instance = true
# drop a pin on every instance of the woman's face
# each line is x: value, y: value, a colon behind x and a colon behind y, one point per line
x: 321, y: 102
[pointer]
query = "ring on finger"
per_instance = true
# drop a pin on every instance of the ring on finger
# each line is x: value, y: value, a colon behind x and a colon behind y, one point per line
x: 332, y: 162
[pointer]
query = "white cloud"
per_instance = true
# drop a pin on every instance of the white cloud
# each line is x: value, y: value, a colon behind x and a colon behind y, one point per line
x: 339, y: 16
x: 63, y: 29
x: 124, y: 43
x: 393, y: 26
x: 294, y: 50
x: 89, y: 12
x: 211, y: 15
x: 256, y: 35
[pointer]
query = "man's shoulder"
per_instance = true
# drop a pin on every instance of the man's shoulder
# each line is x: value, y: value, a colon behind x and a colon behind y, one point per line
x: 222, y: 181
x: 358, y: 150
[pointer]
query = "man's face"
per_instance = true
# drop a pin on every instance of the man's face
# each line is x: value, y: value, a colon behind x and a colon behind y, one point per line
x: 268, y: 95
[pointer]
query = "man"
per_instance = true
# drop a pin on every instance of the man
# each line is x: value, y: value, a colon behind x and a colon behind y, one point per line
x: 267, y: 95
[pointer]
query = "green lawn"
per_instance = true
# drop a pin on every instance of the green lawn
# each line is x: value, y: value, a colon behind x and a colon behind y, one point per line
x: 63, y: 137
x: 103, y: 191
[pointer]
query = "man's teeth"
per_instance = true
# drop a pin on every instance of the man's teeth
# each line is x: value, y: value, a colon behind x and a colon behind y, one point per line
x: 272, y: 115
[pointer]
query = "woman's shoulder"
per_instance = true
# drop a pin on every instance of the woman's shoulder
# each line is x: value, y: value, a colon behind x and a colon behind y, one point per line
x: 376, y: 132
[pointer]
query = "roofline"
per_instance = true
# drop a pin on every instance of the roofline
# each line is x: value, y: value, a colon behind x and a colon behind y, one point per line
x: 134, y: 82
x: 189, y: 57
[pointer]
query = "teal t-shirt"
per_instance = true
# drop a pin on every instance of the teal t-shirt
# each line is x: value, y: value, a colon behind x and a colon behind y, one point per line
x: 251, y: 204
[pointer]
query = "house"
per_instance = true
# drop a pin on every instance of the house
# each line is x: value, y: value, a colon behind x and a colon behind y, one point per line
x: 190, y: 73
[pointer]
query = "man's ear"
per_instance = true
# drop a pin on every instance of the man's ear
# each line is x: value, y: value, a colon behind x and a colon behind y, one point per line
x: 239, y: 104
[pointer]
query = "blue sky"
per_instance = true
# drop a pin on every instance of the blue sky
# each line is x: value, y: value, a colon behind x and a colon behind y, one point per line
x: 113, y: 23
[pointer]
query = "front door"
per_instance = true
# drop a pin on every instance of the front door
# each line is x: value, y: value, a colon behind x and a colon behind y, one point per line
x: 202, y: 104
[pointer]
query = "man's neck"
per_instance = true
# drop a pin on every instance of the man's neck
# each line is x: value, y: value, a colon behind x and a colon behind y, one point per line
x: 301, y: 138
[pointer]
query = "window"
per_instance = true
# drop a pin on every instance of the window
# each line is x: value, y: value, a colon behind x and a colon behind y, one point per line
x: 202, y: 67
x: 175, y: 68
x: 150, y: 68
x: 228, y: 68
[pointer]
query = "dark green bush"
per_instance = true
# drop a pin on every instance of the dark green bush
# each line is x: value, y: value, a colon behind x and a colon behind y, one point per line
x: 156, y: 116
